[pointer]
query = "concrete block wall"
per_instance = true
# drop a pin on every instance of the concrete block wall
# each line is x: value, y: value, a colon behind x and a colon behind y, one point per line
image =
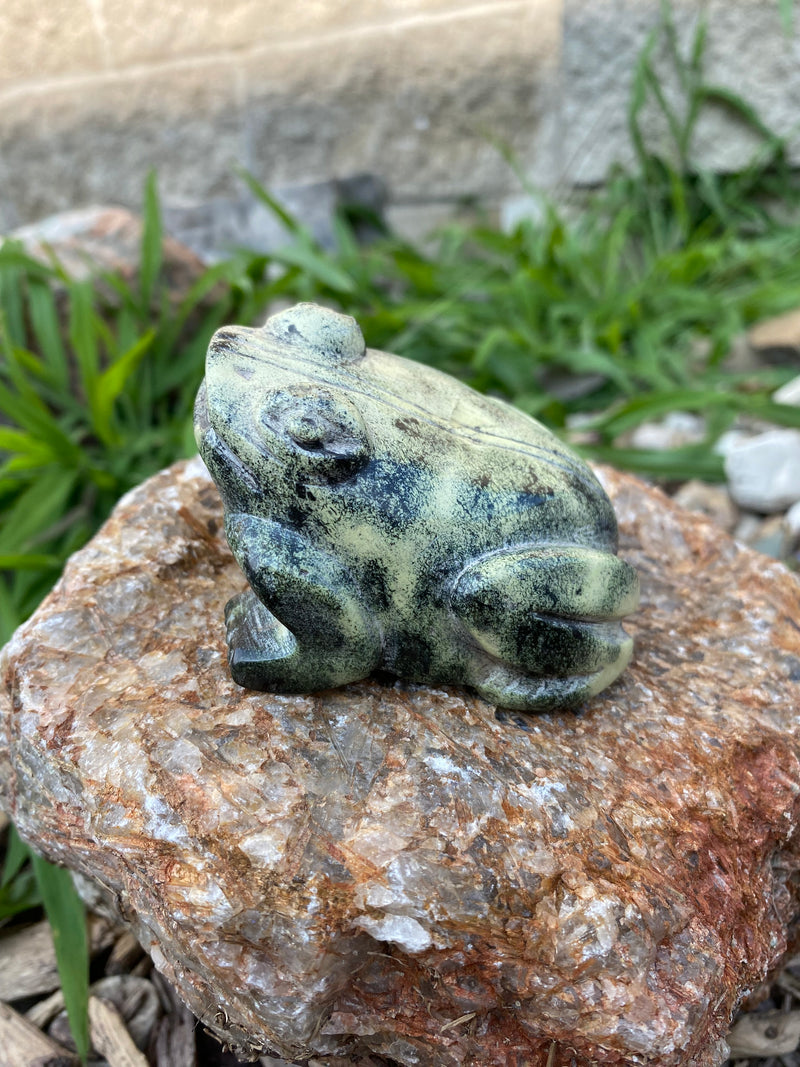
x: 419, y: 93
x: 95, y: 92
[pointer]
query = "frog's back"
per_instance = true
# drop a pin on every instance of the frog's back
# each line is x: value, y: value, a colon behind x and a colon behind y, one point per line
x: 473, y: 474
x: 490, y: 439
x: 426, y: 391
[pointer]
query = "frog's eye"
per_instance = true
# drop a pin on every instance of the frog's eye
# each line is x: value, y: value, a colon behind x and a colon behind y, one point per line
x: 320, y: 432
x: 306, y: 431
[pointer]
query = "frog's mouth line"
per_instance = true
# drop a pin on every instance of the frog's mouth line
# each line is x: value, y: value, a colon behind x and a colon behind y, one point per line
x: 218, y: 452
x: 224, y: 455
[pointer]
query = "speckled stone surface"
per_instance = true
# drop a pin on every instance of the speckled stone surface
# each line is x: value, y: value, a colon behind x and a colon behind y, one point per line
x: 403, y: 871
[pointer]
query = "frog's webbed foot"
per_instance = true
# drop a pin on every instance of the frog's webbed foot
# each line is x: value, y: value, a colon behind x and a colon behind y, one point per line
x: 547, y: 622
x: 510, y: 688
x: 313, y: 632
x: 256, y: 640
x: 266, y: 655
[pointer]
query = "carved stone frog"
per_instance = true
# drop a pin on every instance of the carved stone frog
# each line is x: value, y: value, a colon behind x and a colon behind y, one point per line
x: 388, y: 516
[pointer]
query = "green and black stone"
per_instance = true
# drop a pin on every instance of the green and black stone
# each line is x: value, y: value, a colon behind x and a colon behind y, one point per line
x: 387, y: 516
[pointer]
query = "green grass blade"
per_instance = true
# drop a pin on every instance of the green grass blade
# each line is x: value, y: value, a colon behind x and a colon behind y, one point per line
x: 595, y: 361
x: 673, y: 120
x: 786, y: 9
x: 13, y: 254
x: 654, y: 404
x: 67, y: 918
x: 20, y: 441
x: 152, y: 241
x: 18, y: 888
x: 677, y: 464
x: 638, y: 98
x: 185, y: 372
x: 47, y: 330
x: 26, y: 561
x: 779, y: 414
x: 17, y: 852
x: 20, y: 894
x: 12, y: 303
x: 29, y: 412
x: 316, y: 265
x: 83, y: 336
x: 111, y: 383
x: 278, y: 210
x: 739, y: 107
x: 10, y: 613
x: 36, y: 509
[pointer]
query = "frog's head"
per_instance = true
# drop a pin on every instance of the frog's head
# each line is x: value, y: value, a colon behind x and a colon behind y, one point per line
x: 273, y: 412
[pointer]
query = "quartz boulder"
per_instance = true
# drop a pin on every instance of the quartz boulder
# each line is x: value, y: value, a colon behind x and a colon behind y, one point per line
x: 410, y: 873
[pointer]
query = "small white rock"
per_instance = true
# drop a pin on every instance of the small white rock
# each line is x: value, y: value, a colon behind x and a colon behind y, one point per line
x: 792, y: 520
x: 773, y: 538
x: 770, y: 536
x: 729, y: 440
x: 675, y: 429
x: 747, y: 529
x: 764, y: 472
x: 789, y: 393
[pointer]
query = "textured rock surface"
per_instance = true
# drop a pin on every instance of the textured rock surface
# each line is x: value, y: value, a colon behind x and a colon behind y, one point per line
x: 393, y: 870
x: 96, y: 240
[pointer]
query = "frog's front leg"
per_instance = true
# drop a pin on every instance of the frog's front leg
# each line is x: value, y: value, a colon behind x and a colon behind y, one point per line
x: 303, y: 627
x: 546, y: 622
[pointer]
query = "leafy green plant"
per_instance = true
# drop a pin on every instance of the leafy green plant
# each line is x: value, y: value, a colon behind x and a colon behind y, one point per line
x: 97, y: 383
x: 19, y: 891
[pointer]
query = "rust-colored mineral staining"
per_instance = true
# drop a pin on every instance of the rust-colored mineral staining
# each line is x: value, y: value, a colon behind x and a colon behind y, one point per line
x: 405, y: 871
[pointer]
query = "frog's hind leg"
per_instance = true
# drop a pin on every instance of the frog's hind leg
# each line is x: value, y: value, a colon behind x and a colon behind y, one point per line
x: 552, y: 615
x: 546, y: 622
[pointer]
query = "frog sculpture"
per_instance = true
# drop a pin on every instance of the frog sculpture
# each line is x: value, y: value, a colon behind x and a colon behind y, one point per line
x: 389, y: 517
